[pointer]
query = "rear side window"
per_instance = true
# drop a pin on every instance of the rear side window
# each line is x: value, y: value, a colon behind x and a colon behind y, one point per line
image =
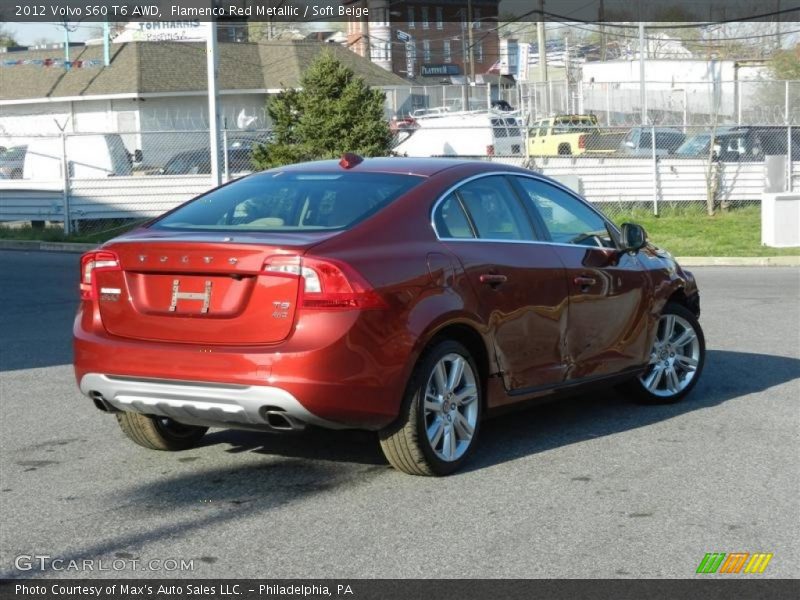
x: 494, y: 209
x: 543, y: 128
x: 450, y: 220
x: 289, y: 201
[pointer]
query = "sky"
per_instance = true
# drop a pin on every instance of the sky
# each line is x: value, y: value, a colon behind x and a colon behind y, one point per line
x: 27, y: 33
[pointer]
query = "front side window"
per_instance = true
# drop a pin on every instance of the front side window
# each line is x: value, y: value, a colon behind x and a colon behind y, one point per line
x: 495, y: 210
x: 567, y: 219
x: 287, y: 201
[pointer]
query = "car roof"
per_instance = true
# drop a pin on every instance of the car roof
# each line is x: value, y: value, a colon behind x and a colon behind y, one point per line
x: 398, y: 165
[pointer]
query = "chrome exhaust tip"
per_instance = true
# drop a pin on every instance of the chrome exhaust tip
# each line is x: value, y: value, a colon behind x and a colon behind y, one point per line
x: 101, y: 403
x: 279, y: 420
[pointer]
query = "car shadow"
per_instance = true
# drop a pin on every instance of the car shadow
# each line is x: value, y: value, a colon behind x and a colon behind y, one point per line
x: 318, y: 462
x: 347, y: 446
x: 727, y: 375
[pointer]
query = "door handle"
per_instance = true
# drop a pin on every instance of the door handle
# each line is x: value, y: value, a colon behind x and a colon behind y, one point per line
x: 493, y: 279
x: 584, y: 282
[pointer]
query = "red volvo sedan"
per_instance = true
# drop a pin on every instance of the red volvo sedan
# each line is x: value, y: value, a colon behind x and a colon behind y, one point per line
x: 409, y: 297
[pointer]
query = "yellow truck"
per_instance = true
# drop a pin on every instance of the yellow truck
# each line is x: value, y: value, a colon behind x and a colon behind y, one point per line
x: 564, y: 135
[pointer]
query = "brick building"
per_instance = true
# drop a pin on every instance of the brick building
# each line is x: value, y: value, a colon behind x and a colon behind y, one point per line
x: 428, y: 39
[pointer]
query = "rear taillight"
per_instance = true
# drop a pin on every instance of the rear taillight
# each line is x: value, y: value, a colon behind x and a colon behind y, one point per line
x: 326, y: 284
x: 92, y: 262
x: 490, y: 150
x: 582, y: 142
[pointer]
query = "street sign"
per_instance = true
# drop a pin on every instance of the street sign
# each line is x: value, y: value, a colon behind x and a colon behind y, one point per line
x: 403, y: 36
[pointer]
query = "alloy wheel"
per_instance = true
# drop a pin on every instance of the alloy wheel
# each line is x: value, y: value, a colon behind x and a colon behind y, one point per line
x: 451, y: 407
x: 674, y: 358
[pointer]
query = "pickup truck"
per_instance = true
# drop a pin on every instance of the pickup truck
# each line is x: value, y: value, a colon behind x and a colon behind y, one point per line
x: 564, y: 135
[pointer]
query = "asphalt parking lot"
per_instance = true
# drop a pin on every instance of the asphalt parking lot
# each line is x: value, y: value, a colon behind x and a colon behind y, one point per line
x: 589, y: 487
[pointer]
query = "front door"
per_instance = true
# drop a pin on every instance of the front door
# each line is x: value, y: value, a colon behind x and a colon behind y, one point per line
x: 608, y: 321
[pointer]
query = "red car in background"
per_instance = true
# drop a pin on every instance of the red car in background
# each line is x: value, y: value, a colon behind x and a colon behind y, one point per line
x: 410, y: 297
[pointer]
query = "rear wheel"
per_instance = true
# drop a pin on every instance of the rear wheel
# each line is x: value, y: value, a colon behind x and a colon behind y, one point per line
x: 159, y: 433
x: 676, y: 359
x: 437, y: 429
x: 565, y: 150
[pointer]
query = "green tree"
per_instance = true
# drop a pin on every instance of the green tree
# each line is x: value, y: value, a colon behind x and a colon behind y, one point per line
x: 332, y: 112
x: 7, y: 36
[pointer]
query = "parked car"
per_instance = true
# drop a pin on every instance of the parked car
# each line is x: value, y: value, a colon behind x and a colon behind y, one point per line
x: 639, y: 141
x: 12, y: 161
x: 565, y: 135
x: 502, y: 106
x: 742, y: 144
x: 696, y: 146
x: 194, y: 162
x: 444, y: 133
x: 88, y: 156
x: 409, y: 297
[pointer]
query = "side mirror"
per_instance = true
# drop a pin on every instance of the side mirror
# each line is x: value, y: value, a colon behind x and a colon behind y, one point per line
x: 634, y: 237
x: 137, y: 156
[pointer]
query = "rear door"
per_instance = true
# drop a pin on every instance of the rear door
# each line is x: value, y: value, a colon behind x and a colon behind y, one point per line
x: 609, y: 292
x: 520, y: 285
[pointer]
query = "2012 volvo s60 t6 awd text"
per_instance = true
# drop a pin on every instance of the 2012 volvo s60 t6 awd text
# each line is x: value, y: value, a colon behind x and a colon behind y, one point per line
x: 409, y: 297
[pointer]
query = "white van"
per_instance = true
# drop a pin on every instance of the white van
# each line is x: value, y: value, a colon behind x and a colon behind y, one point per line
x: 88, y: 157
x: 461, y: 134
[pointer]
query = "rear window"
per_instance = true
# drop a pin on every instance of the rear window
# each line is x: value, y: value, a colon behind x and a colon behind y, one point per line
x: 291, y: 202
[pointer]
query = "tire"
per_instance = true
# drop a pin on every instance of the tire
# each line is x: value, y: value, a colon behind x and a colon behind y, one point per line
x: 656, y: 385
x: 456, y: 409
x: 565, y: 150
x: 159, y: 433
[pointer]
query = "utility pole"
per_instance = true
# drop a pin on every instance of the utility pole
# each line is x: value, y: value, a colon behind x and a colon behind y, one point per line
x: 471, y: 50
x: 106, y: 43
x: 642, y: 90
x: 212, y: 66
x: 566, y: 72
x: 601, y: 16
x: 540, y: 42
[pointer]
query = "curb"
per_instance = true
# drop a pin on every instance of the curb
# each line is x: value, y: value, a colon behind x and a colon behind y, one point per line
x: 739, y: 261
x: 46, y: 246
x: 685, y: 261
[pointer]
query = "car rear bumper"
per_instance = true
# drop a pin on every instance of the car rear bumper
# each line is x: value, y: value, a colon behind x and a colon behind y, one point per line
x: 334, y: 374
x: 201, y: 403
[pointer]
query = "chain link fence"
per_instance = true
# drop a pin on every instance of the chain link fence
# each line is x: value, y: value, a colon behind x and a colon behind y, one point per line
x: 91, y: 182
x: 673, y: 103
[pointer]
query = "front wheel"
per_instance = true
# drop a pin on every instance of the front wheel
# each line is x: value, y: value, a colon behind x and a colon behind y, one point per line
x: 676, y: 359
x: 441, y: 414
x: 159, y: 433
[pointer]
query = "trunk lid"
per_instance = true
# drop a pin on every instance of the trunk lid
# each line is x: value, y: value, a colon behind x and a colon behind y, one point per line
x: 200, y: 290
